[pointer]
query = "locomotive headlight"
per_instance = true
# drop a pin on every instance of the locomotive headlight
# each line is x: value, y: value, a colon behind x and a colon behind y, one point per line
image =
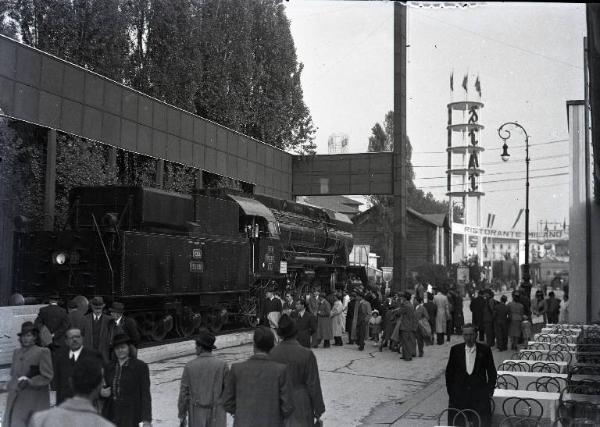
x: 59, y: 258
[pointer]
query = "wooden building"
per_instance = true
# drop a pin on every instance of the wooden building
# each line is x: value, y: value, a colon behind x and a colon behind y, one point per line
x: 427, y: 237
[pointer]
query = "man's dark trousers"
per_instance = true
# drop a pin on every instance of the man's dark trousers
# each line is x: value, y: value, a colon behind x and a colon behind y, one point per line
x: 488, y: 328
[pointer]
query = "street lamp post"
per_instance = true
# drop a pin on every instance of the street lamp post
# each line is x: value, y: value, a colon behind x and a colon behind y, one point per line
x: 504, y: 135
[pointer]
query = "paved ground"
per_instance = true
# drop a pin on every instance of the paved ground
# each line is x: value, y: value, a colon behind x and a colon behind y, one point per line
x: 368, y: 388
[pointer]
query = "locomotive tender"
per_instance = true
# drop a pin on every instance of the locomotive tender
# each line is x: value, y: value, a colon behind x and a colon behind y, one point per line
x: 180, y: 260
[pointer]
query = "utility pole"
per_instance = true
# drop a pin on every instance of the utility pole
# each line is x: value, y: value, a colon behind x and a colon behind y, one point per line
x: 399, y: 155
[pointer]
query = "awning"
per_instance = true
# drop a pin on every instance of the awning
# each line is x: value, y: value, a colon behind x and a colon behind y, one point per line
x: 253, y: 207
x: 337, y: 216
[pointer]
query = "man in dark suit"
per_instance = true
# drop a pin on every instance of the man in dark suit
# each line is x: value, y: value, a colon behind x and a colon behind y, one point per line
x: 96, y: 334
x: 470, y: 378
x: 501, y: 321
x: 306, y: 323
x: 54, y: 318
x: 476, y: 306
x: 303, y: 375
x: 120, y: 324
x: 258, y: 392
x: 65, y: 361
x: 75, y: 315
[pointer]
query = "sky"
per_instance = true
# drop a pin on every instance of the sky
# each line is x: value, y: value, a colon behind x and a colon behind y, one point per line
x: 528, y: 56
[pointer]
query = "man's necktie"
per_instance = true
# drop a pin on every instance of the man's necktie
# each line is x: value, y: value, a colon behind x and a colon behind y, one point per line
x: 72, y: 358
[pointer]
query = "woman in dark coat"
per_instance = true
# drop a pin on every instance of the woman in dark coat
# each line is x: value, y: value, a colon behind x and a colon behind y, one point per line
x: 127, y: 391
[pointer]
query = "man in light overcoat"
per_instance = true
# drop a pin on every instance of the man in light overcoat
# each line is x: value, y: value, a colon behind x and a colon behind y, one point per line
x: 202, y: 385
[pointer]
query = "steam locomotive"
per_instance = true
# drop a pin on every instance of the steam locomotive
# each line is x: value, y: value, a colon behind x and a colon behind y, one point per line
x: 178, y: 261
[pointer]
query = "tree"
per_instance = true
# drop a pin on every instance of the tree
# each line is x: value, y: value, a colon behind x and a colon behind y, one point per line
x: 172, y: 53
x: 250, y: 79
x: 79, y: 162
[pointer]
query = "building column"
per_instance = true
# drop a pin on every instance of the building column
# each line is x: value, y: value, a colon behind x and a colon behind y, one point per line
x: 584, y: 220
x: 50, y: 181
x: 160, y: 173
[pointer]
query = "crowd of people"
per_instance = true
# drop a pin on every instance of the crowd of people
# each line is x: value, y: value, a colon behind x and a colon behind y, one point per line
x: 511, y: 323
x: 90, y: 359
x: 277, y: 385
x: 403, y: 322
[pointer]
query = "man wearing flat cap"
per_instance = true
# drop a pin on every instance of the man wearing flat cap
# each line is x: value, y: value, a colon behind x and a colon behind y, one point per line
x: 95, y: 330
x: 202, y: 385
x: 302, y: 373
x: 120, y: 324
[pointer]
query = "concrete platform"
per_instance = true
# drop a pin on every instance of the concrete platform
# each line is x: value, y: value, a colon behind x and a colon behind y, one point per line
x: 166, y: 351
x: 187, y: 348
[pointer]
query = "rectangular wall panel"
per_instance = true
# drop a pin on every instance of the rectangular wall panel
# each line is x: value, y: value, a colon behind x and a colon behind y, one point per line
x: 367, y: 173
x: 45, y: 90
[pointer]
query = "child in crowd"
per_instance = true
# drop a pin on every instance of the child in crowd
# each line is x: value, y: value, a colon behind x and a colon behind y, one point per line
x: 526, y: 330
x: 375, y: 325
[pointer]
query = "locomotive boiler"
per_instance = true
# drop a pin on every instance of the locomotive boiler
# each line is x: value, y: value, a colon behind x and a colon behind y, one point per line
x: 178, y: 261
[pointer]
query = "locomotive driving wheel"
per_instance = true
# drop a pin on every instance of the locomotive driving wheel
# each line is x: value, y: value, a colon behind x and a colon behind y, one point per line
x: 217, y: 319
x: 249, y: 310
x: 161, y: 326
x: 187, y: 322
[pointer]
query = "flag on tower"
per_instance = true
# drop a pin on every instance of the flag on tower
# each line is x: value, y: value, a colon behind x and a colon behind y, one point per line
x: 465, y: 81
x: 452, y: 81
x: 478, y: 86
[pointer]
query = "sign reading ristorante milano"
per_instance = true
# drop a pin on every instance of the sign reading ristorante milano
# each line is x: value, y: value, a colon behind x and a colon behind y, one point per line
x: 507, y: 234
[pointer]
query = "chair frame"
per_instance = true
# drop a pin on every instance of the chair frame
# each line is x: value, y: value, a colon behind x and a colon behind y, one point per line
x: 528, y: 402
x: 460, y: 412
x: 504, y: 381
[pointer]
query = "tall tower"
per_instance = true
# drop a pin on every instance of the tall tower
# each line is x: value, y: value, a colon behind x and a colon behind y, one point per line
x: 337, y: 143
x: 464, y: 165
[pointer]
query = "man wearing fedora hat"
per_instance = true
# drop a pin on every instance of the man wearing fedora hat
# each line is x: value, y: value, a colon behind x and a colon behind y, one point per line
x: 302, y: 373
x: 120, y: 324
x: 55, y: 319
x: 30, y: 374
x: 95, y: 330
x: 202, y: 385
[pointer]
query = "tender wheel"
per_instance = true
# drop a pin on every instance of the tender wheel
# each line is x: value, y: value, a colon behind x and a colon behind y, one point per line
x: 161, y: 326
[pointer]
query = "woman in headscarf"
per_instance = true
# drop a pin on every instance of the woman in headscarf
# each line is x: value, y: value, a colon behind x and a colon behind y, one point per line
x: 30, y: 375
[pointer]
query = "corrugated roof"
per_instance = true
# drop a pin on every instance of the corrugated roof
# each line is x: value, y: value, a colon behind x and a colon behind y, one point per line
x: 335, y: 203
x: 438, y: 220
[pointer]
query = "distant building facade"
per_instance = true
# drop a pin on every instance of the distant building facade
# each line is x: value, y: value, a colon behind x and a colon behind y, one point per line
x: 337, y: 143
x: 427, y: 237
